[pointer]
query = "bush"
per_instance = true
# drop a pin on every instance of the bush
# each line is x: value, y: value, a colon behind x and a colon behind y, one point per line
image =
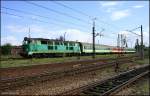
x: 6, y: 49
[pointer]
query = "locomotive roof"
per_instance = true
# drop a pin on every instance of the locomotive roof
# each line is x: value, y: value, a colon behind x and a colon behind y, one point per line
x: 44, y: 39
x: 99, y: 45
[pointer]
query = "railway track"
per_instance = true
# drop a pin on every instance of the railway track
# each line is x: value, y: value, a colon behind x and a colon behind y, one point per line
x: 111, y: 85
x: 15, y: 72
x: 21, y: 58
x: 12, y: 83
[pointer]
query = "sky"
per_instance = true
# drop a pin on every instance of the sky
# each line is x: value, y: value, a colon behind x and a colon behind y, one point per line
x: 75, y: 20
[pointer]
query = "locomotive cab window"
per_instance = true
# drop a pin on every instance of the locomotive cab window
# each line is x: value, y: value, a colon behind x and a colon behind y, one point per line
x: 24, y: 42
x: 33, y: 41
x: 29, y: 41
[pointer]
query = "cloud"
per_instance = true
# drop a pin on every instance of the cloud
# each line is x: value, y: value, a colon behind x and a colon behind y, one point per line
x: 75, y: 34
x: 20, y: 29
x: 108, y: 10
x: 138, y: 6
x: 43, y: 32
x: 108, y: 3
x: 10, y: 39
x: 116, y: 15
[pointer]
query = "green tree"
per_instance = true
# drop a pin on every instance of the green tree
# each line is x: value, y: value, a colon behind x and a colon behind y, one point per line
x: 6, y: 49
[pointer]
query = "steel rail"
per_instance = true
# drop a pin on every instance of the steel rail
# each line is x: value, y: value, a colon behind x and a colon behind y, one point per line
x: 111, y: 85
x: 20, y: 58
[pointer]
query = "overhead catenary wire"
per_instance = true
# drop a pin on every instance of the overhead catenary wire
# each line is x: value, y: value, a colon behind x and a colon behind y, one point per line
x: 82, y: 13
x: 54, y: 19
x: 77, y: 11
x: 58, y: 12
x: 22, y: 16
x: 33, y: 19
x: 61, y: 12
x: 131, y: 31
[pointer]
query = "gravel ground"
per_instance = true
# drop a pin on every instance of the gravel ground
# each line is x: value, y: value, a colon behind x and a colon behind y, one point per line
x: 67, y: 83
x: 140, y: 87
x: 38, y: 69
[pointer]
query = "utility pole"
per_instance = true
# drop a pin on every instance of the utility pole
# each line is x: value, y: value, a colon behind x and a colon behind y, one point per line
x: 137, y: 46
x: 29, y: 33
x: 142, y: 49
x: 121, y: 40
x: 118, y: 41
x: 93, y: 30
x: 64, y: 35
x: 118, y: 55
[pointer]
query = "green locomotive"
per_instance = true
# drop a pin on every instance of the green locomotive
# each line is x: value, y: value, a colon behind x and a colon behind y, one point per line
x: 39, y: 47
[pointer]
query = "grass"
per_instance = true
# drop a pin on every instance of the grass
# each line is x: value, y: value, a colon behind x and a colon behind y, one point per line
x: 9, y: 56
x: 144, y: 89
x: 35, y: 61
x: 141, y: 87
x: 145, y: 61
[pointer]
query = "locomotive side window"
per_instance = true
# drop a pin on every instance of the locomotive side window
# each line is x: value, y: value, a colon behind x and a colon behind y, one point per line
x: 56, y: 43
x: 71, y: 44
x: 67, y: 48
x: 50, y: 47
x: 61, y: 43
x: 66, y: 44
x: 70, y: 48
x: 43, y: 42
x: 55, y: 47
x: 50, y: 43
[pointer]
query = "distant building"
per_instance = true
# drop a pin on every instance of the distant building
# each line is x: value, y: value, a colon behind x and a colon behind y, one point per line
x: 16, y: 50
